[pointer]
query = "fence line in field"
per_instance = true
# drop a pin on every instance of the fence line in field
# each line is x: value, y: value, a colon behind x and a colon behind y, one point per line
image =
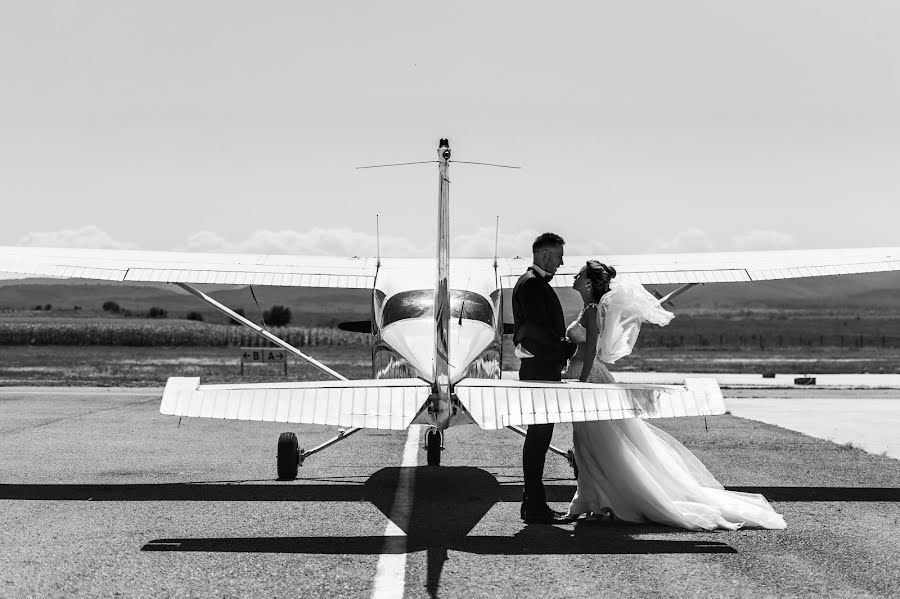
x: 188, y: 333
x: 763, y: 342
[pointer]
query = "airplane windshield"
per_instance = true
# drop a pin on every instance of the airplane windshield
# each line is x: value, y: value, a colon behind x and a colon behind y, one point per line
x: 420, y: 303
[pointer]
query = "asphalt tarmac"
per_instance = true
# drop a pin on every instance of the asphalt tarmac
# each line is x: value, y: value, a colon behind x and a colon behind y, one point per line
x: 101, y: 496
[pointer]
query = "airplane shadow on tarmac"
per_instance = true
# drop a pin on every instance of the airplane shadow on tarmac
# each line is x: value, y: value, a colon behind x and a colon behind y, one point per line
x: 448, y: 502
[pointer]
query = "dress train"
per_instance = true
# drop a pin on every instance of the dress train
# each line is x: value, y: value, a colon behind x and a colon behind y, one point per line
x: 638, y: 472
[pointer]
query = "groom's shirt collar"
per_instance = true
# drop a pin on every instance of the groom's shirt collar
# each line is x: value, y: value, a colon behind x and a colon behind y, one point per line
x: 541, y: 272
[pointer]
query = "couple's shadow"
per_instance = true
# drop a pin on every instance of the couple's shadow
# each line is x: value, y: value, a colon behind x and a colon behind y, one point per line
x: 448, y: 503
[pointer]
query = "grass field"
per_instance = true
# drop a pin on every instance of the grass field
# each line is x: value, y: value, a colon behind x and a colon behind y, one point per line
x: 118, y: 366
x: 114, y: 366
x: 726, y: 328
x: 68, y: 347
x: 147, y: 332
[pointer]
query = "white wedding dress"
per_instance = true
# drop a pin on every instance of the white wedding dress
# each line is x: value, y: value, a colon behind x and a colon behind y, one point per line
x: 634, y: 470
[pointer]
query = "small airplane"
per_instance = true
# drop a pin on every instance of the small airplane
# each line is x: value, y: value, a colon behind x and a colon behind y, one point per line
x: 437, y: 328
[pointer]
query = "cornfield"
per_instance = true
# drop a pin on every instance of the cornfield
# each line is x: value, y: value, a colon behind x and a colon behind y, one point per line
x: 167, y: 333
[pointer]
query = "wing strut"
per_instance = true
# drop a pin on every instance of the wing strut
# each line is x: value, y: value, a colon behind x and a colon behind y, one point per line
x: 259, y: 330
x: 523, y: 432
x: 677, y: 292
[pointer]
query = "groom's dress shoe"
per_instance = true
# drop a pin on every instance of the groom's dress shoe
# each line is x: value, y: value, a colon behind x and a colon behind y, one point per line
x: 544, y: 516
x: 539, y: 509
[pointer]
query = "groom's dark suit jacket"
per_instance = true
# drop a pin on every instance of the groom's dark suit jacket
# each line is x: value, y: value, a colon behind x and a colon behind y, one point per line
x: 538, y: 321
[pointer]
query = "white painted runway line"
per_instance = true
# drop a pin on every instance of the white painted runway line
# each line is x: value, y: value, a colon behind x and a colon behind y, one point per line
x: 390, y: 576
x: 870, y: 424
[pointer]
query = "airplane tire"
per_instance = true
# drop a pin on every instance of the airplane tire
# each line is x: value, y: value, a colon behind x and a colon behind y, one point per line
x: 288, y: 456
x: 433, y: 447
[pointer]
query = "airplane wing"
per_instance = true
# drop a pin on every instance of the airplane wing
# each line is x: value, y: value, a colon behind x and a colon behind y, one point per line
x: 358, y: 272
x: 723, y: 267
x: 495, y: 404
x: 383, y: 404
x: 184, y: 267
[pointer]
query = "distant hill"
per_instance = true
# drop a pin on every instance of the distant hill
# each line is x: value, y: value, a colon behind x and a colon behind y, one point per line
x: 313, y: 306
x: 870, y: 291
x: 846, y: 293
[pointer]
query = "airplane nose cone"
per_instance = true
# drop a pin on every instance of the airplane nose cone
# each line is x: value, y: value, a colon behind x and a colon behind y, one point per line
x: 413, y: 338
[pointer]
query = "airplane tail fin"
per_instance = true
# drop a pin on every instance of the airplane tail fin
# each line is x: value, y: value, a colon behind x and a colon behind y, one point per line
x: 442, y: 284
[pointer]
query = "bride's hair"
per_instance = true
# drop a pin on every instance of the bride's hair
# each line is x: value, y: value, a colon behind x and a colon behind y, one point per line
x: 599, y: 275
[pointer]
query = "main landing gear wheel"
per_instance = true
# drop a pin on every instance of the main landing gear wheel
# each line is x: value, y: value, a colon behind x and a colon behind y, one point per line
x: 288, y: 456
x: 434, y: 445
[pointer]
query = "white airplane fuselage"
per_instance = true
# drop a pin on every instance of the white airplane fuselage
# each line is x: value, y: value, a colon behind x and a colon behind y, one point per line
x: 404, y: 328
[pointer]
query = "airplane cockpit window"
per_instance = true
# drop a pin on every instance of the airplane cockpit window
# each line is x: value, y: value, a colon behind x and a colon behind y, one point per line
x: 420, y: 303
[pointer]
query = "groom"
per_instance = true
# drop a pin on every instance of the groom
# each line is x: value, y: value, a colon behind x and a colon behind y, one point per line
x: 539, y: 336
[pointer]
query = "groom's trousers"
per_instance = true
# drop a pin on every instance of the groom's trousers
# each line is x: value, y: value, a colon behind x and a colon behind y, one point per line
x: 537, y: 440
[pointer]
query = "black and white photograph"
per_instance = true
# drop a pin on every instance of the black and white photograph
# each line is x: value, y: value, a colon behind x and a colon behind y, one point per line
x: 461, y: 300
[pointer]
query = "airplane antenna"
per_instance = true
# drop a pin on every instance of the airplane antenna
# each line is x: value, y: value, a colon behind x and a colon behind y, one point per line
x: 496, y: 241
x: 377, y: 243
x: 398, y: 164
x: 437, y: 162
x: 485, y: 164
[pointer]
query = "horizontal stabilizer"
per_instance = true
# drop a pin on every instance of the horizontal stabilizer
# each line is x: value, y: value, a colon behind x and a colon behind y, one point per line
x: 495, y: 404
x: 382, y: 403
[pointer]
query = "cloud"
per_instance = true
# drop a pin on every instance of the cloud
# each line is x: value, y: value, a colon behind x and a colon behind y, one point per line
x: 589, y: 247
x: 315, y: 242
x: 345, y: 242
x: 764, y: 239
x: 480, y: 243
x: 690, y: 240
x: 697, y: 240
x: 89, y: 236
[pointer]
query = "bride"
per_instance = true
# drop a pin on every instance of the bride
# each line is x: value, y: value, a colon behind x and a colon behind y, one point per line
x: 629, y: 469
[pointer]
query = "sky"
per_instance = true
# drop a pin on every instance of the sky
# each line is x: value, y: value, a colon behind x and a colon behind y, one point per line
x: 645, y: 126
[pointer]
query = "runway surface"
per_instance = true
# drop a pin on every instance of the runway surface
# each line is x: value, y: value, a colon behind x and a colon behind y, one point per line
x: 870, y: 423
x: 102, y: 496
x: 860, y: 409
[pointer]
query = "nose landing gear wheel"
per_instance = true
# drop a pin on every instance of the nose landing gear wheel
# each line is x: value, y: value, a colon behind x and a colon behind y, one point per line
x: 288, y: 456
x: 434, y: 445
